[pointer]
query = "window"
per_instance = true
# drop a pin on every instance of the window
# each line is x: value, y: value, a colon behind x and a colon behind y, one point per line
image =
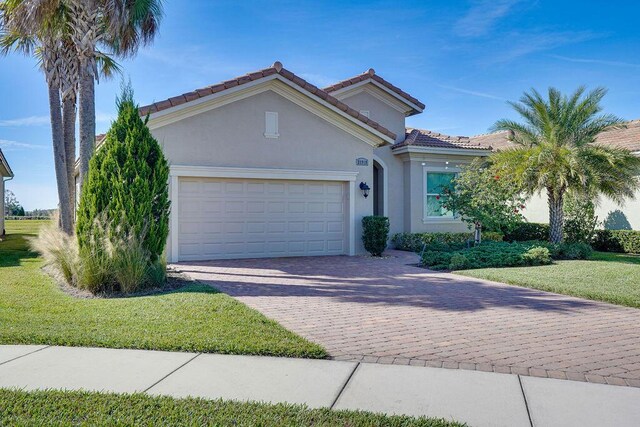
x: 434, y: 182
x: 271, y: 124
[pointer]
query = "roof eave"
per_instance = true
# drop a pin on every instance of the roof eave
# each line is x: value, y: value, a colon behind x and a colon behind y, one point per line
x: 419, y: 149
x: 154, y: 115
x: 412, y: 109
x: 5, y: 164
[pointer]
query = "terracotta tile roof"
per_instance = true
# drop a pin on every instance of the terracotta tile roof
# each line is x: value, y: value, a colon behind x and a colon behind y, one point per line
x: 427, y: 138
x: 627, y: 137
x: 276, y: 68
x: 371, y: 74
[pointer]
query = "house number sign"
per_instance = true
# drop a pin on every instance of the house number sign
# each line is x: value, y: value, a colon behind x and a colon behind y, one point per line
x: 361, y: 161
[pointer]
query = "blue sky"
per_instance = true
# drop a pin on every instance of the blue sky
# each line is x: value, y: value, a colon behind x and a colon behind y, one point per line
x: 463, y: 59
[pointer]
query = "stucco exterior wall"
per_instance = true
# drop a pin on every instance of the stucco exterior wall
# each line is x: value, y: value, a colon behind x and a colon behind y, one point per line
x: 379, y: 111
x: 414, y: 190
x: 393, y: 120
x: 537, y: 210
x: 233, y: 136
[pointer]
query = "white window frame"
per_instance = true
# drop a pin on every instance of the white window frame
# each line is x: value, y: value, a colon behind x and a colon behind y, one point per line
x: 271, y: 124
x: 425, y: 171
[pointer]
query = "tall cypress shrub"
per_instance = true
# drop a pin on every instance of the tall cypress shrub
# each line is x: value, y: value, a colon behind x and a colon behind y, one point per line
x: 127, y: 184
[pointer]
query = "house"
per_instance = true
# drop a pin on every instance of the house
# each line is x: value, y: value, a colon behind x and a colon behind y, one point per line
x: 5, y: 172
x: 613, y: 215
x: 269, y: 165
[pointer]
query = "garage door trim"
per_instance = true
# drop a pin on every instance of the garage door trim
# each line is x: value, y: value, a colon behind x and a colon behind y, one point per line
x: 178, y: 171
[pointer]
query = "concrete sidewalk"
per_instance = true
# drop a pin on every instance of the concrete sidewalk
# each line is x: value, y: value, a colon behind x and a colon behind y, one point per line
x: 478, y: 398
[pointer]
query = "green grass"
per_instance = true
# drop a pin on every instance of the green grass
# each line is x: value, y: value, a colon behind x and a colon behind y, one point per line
x: 85, y: 408
x: 33, y: 310
x: 606, y: 276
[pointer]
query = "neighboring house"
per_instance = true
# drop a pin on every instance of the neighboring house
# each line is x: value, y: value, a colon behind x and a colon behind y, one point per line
x: 268, y: 165
x: 610, y: 213
x: 5, y: 172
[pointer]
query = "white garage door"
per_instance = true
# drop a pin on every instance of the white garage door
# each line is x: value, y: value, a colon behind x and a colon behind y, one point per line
x: 248, y: 218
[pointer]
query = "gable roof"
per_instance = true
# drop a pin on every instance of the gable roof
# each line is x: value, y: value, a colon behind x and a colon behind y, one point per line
x: 275, y: 69
x: 370, y: 74
x: 427, y: 138
x: 5, y: 165
x: 627, y: 137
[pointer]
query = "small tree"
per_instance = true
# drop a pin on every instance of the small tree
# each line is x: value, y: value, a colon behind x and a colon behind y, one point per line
x: 11, y: 204
x: 484, y: 199
x: 127, y: 184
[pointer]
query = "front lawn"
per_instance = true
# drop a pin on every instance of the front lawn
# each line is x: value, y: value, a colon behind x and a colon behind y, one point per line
x: 605, y: 276
x: 33, y: 310
x: 84, y: 408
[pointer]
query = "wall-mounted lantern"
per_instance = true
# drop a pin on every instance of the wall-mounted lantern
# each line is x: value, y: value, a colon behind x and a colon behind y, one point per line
x: 365, y: 189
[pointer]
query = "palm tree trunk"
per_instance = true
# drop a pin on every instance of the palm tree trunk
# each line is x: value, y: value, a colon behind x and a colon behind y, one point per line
x: 556, y: 215
x: 69, y: 135
x: 59, y: 158
x: 87, y: 118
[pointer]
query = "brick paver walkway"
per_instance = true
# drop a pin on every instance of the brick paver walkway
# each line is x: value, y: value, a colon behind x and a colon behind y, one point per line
x: 387, y: 311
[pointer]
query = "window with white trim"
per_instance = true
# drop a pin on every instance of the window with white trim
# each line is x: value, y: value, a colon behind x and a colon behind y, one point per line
x: 435, y: 181
x: 271, y: 124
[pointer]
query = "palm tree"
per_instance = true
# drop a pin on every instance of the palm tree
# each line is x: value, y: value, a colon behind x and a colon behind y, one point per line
x: 47, y: 44
x: 121, y: 25
x: 556, y: 151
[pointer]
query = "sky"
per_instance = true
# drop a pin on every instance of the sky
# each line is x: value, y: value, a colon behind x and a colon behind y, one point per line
x: 463, y: 59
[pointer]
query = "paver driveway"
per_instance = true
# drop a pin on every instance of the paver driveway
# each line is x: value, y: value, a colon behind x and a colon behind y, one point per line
x: 387, y: 311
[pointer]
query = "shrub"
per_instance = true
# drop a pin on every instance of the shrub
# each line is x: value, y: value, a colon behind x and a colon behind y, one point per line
x: 617, y: 241
x: 415, y: 241
x: 537, y: 256
x: 526, y: 231
x: 570, y: 250
x: 131, y: 265
x: 59, y: 250
x: 458, y: 262
x: 128, y: 184
x: 375, y: 234
x: 580, y: 220
x: 486, y: 255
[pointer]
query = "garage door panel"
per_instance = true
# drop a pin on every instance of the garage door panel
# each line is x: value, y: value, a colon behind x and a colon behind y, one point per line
x: 234, y: 218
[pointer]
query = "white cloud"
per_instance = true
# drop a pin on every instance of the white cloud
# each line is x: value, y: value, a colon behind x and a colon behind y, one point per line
x: 25, y: 121
x: 516, y: 44
x: 472, y: 92
x: 482, y: 16
x: 596, y: 61
x: 15, y: 145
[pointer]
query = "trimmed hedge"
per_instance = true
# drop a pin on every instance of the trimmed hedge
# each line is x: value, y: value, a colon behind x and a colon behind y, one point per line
x: 415, y: 241
x: 627, y: 241
x: 527, y: 231
x: 500, y: 254
x: 375, y: 234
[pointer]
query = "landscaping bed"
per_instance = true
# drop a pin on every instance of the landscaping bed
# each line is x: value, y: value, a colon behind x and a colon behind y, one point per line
x: 499, y: 254
x: 89, y: 408
x: 196, y: 317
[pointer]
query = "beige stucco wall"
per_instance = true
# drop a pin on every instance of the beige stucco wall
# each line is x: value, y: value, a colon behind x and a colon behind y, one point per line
x: 393, y: 120
x: 233, y: 136
x: 537, y: 210
x: 379, y: 111
x: 414, y: 183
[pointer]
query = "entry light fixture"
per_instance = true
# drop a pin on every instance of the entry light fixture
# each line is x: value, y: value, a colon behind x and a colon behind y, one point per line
x: 365, y: 189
